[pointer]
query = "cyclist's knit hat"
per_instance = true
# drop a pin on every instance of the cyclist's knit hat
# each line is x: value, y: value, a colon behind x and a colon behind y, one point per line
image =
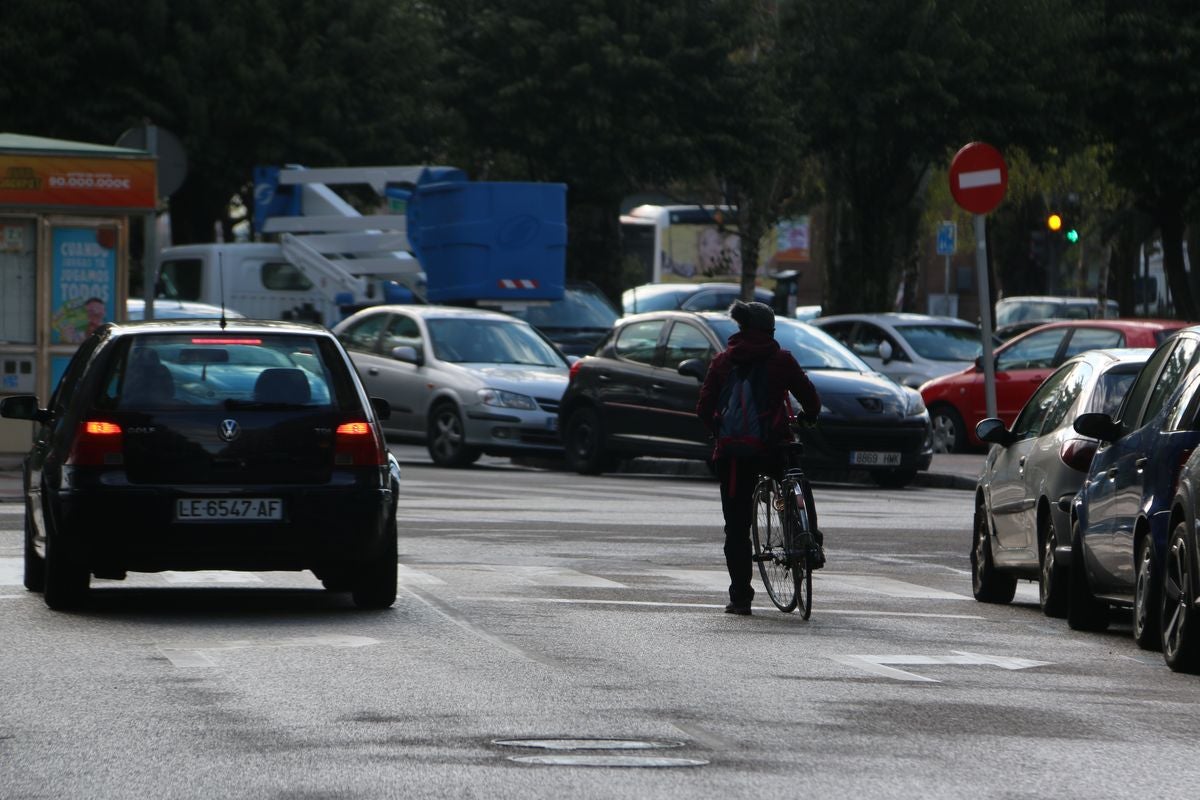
x: 753, y: 316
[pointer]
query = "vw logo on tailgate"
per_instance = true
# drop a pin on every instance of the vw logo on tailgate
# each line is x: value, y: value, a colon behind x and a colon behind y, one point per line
x: 230, y: 429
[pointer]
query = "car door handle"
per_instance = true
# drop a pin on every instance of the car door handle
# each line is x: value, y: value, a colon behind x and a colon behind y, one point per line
x: 1141, y: 462
x: 1021, y: 462
x: 373, y: 370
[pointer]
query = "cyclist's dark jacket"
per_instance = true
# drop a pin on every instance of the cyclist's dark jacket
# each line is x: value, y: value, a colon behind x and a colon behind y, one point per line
x: 783, y: 375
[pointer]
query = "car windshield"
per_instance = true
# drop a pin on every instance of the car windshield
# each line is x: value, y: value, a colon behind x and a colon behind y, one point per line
x: 474, y: 340
x: 635, y: 301
x: 165, y: 371
x: 578, y: 308
x: 812, y: 347
x: 943, y: 342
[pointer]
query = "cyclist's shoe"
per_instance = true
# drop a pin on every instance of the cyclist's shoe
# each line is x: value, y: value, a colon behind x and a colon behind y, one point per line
x: 741, y: 609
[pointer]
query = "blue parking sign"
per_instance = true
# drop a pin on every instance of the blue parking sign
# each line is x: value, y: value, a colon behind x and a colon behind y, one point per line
x: 947, y: 238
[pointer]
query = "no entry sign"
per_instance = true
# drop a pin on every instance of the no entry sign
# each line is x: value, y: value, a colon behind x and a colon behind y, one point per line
x: 978, y: 177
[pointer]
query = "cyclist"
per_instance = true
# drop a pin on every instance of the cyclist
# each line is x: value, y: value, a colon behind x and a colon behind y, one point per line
x: 753, y: 343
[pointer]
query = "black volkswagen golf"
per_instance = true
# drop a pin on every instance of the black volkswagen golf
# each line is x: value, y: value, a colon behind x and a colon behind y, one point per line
x: 190, y: 445
x: 636, y: 396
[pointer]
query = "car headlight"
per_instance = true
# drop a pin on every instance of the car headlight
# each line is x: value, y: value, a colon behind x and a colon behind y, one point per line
x: 503, y: 399
x: 914, y: 405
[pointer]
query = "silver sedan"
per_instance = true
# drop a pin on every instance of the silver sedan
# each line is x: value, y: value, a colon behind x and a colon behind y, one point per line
x: 463, y: 381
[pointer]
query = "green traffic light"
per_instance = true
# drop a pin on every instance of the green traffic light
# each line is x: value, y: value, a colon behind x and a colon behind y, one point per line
x: 1072, y: 236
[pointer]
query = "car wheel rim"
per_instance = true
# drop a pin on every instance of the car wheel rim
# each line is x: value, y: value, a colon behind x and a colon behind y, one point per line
x: 944, y: 434
x: 1047, y: 585
x: 980, y: 553
x: 1141, y: 591
x: 448, y: 435
x: 1176, y: 591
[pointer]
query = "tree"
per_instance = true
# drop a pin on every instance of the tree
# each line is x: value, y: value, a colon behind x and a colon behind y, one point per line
x: 1144, y: 105
x: 607, y: 96
x: 893, y: 87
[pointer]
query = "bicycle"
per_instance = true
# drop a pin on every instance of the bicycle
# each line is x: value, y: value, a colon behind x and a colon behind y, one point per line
x: 783, y: 536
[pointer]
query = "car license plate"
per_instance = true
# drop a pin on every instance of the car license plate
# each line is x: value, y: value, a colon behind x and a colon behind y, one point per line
x: 864, y: 458
x: 202, y: 509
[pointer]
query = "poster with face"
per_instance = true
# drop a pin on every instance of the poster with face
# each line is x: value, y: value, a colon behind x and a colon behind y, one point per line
x: 84, y: 282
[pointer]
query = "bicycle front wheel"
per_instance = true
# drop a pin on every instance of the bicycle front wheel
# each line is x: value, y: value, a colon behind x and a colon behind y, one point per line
x: 770, y: 546
x: 801, y: 572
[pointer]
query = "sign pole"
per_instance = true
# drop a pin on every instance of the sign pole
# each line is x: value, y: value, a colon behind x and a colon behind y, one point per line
x: 985, y: 313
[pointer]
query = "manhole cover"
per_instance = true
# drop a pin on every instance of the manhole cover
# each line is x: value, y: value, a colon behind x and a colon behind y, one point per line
x: 590, y: 744
x: 587, y: 760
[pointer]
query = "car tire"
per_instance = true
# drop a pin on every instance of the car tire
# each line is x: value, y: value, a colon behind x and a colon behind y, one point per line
x: 446, y: 440
x: 35, y: 565
x: 1084, y: 611
x: 988, y: 584
x: 949, y: 431
x: 1052, y: 576
x: 1179, y: 622
x: 1147, y: 602
x: 67, y: 575
x: 374, y: 585
x: 584, y: 442
x: 894, y: 478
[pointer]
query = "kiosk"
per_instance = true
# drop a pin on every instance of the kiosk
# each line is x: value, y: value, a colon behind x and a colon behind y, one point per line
x: 65, y: 217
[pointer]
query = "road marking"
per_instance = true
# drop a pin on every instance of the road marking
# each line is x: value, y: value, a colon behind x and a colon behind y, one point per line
x: 210, y: 576
x: 848, y: 612
x: 452, y: 614
x: 195, y: 654
x: 413, y: 577
x: 888, y: 587
x: 12, y: 571
x: 878, y: 664
x: 12, y: 508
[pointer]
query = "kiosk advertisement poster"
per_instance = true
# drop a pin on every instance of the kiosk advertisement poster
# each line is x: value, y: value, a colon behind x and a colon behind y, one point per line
x: 83, y: 282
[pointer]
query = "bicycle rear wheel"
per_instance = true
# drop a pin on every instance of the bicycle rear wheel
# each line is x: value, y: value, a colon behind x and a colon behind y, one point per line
x: 770, y: 546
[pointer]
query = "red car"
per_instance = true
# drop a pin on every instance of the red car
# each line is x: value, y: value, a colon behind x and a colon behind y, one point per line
x: 956, y: 402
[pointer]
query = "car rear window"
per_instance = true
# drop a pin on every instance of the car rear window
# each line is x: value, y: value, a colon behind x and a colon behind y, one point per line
x: 943, y: 342
x: 165, y: 371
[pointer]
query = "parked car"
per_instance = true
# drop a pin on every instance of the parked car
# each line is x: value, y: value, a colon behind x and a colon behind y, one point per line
x: 186, y: 445
x: 1120, y: 517
x: 1032, y: 473
x: 637, y: 396
x: 687, y: 297
x: 956, y: 402
x: 135, y: 310
x: 1179, y: 615
x: 463, y: 381
x: 1015, y: 315
x: 908, y: 348
x: 577, y: 322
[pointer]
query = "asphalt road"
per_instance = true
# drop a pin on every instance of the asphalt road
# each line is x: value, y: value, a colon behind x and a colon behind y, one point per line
x: 541, y: 605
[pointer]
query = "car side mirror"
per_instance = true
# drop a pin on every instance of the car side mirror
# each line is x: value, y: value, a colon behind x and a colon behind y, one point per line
x: 383, y: 409
x: 408, y: 354
x: 992, y: 431
x: 694, y: 367
x: 885, y: 351
x: 24, y: 406
x: 1097, y: 426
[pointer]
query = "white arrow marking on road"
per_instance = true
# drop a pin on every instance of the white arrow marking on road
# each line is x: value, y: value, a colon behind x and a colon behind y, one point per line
x: 983, y: 177
x: 878, y: 664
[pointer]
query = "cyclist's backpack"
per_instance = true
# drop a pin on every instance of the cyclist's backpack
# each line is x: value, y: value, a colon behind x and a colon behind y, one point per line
x: 745, y: 426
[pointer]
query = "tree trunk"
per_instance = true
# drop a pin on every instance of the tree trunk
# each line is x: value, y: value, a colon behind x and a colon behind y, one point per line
x: 1170, y: 220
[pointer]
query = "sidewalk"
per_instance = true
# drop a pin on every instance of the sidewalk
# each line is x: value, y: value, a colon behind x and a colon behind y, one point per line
x: 955, y: 471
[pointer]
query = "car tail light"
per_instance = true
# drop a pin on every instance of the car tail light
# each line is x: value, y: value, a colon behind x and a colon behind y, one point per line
x: 573, y: 371
x: 1077, y: 453
x: 358, y: 444
x: 99, y: 443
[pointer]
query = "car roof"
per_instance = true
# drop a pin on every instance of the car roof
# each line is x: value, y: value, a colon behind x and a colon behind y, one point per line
x: 1112, y: 324
x: 214, y: 326
x: 1051, y: 298
x: 439, y: 312
x: 897, y: 319
x: 1111, y: 356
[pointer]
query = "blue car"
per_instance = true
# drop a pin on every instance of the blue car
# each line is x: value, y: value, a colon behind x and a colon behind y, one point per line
x: 1120, y: 518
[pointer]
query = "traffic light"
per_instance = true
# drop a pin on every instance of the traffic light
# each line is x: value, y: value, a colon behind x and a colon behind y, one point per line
x: 1054, y: 222
x: 1072, y: 235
